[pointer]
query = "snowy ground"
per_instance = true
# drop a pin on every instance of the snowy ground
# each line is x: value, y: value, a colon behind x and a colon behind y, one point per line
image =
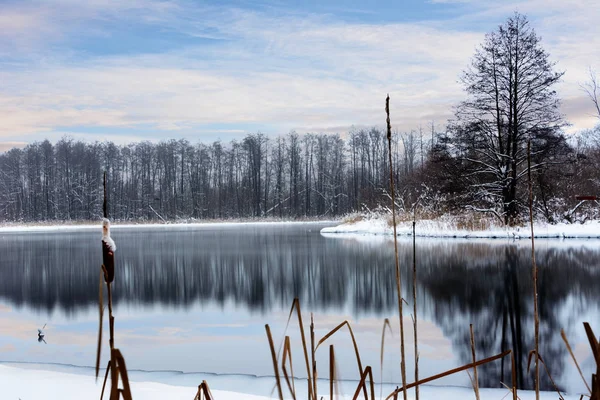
x: 448, y: 229
x: 34, y: 382
x: 9, y: 228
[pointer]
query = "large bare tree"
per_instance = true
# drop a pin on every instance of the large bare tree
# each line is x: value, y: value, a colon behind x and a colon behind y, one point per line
x: 511, y: 100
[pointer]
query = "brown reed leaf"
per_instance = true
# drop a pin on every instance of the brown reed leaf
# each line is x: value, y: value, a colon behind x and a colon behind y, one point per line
x: 564, y: 337
x: 386, y: 322
x: 287, y: 353
x: 362, y: 384
x: 296, y: 306
x: 593, y: 342
x: 449, y: 372
x: 337, y: 328
x: 539, y: 357
x: 356, y: 352
x: 105, y: 379
x: 274, y: 357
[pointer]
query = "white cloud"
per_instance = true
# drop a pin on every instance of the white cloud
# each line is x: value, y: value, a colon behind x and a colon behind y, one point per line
x: 286, y: 71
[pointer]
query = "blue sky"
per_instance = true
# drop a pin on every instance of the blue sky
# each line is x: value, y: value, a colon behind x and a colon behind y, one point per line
x: 157, y: 69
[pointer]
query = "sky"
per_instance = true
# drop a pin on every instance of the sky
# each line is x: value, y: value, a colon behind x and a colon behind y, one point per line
x: 131, y: 70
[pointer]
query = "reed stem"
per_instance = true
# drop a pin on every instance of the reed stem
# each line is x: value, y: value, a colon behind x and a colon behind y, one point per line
x: 535, y: 278
x: 398, y: 275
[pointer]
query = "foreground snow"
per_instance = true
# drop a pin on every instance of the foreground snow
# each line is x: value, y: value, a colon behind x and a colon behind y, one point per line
x: 448, y: 229
x: 29, y: 383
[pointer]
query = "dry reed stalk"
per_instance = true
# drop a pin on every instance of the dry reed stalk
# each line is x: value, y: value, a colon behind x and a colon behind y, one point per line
x: 296, y: 306
x: 203, y: 392
x: 274, y: 357
x: 105, y: 379
x: 415, y: 329
x: 386, y: 322
x: 312, y: 348
x: 331, y: 371
x: 356, y: 352
x: 287, y: 353
x: 476, y: 379
x: 547, y: 373
x: 398, y: 275
x: 120, y: 362
x: 564, y: 337
x: 596, y: 352
x: 449, y: 372
x: 513, y: 375
x: 101, y: 309
x: 116, y: 365
x: 535, y: 276
x: 362, y: 384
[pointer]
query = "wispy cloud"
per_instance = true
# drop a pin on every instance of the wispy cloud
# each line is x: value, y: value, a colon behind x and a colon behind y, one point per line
x: 273, y: 69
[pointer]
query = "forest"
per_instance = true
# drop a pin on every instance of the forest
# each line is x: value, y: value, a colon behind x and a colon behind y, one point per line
x: 291, y: 176
x: 507, y: 132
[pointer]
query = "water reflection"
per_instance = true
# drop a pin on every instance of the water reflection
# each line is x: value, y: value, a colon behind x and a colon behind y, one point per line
x: 495, y: 293
x: 262, y: 268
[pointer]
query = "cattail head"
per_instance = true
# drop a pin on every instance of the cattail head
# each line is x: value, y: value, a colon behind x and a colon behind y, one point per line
x: 106, y: 234
x: 108, y: 251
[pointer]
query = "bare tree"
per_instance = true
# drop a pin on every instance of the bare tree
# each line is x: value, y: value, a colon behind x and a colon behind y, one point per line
x: 511, y: 101
x: 592, y: 89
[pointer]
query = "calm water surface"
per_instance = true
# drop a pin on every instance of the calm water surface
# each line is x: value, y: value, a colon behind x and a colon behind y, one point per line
x: 196, y: 299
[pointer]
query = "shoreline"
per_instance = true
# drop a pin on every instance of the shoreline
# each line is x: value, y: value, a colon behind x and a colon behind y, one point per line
x: 449, y: 229
x: 88, y: 225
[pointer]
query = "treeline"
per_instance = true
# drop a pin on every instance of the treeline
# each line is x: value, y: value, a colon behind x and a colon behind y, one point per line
x: 291, y: 176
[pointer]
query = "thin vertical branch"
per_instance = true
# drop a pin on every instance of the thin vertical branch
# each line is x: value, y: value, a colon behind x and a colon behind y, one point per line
x: 475, y: 378
x: 535, y: 277
x: 104, y: 205
x: 101, y: 310
x: 331, y: 371
x: 415, y: 329
x: 564, y: 337
x: 513, y: 375
x: 312, y: 348
x: 398, y: 276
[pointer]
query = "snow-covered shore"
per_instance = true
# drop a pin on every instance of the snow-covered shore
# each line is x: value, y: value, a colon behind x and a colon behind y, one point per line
x: 449, y: 229
x: 169, y: 225
x: 36, y: 382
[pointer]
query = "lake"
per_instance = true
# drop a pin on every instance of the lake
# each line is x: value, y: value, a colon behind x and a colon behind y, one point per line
x: 196, y: 299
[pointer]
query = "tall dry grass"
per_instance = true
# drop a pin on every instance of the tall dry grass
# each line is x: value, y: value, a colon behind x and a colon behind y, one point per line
x: 116, y: 364
x: 398, y: 274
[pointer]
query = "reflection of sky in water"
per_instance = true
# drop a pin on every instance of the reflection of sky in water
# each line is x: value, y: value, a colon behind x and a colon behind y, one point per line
x: 208, y: 339
x: 198, y: 300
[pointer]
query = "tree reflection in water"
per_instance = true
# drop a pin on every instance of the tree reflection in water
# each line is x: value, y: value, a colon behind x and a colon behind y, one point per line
x: 262, y: 268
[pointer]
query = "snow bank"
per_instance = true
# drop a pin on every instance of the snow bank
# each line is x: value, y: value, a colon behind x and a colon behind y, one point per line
x: 27, y: 383
x: 448, y: 229
x: 178, y: 225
